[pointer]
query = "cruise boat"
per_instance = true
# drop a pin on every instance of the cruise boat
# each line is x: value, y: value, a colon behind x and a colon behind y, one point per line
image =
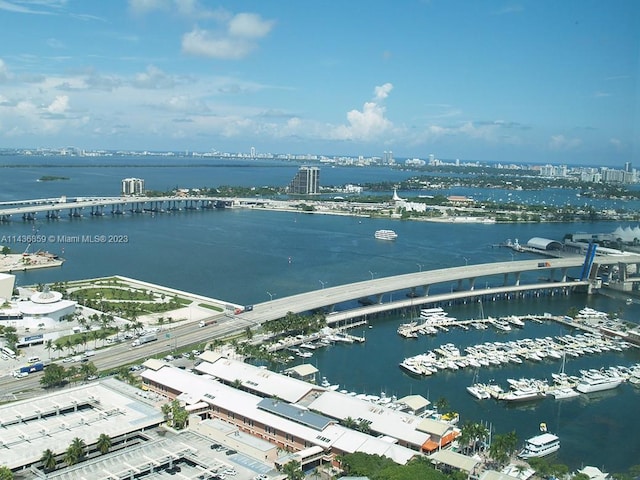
x: 385, y: 235
x: 540, y: 446
x: 597, y: 382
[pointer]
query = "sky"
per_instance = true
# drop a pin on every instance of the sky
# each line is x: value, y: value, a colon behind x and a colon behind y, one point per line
x: 541, y: 81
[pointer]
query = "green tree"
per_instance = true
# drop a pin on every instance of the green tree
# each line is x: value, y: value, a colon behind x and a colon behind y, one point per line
x: 293, y: 470
x: 48, y: 460
x: 48, y: 346
x: 54, y: 375
x: 75, y: 451
x: 5, y: 473
x: 104, y: 443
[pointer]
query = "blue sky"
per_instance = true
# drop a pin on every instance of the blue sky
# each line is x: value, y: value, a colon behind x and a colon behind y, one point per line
x: 511, y: 81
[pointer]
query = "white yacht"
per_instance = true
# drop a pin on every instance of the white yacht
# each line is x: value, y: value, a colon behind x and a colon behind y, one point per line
x: 479, y: 391
x: 597, y: 382
x: 540, y: 446
x: 385, y: 235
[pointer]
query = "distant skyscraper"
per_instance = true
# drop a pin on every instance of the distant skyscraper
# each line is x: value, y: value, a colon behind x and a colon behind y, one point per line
x: 627, y: 167
x: 387, y: 158
x: 306, y: 181
x: 132, y: 186
x: 253, y: 152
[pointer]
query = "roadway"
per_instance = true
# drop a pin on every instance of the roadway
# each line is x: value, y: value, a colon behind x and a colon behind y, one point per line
x: 328, y: 297
x: 191, y: 334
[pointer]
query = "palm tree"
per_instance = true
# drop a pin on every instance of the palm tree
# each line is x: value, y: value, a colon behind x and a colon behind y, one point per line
x: 293, y: 470
x: 5, y: 473
x: 48, y: 346
x: 58, y: 348
x: 48, y: 460
x: 75, y: 451
x: 104, y: 443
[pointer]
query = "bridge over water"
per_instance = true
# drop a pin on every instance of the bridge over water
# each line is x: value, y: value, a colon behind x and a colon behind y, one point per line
x: 76, y: 207
x: 414, y: 289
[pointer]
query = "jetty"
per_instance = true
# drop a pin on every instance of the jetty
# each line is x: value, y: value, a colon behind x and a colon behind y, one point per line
x: 18, y: 262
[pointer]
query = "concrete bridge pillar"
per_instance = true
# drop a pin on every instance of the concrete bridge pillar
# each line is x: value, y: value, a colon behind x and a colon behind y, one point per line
x: 563, y: 273
x: 518, y: 274
x: 472, y: 283
x: 379, y: 298
x: 505, y: 280
x: 552, y: 274
x: 459, y: 286
x: 426, y: 290
x: 622, y: 272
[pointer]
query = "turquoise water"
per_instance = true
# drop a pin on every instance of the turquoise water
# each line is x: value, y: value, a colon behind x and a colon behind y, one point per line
x: 241, y: 255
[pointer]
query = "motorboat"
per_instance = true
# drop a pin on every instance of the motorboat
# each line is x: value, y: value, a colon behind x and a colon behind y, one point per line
x: 479, y: 391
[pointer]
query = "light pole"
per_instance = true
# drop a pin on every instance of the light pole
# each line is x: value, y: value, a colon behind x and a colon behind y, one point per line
x: 466, y: 261
x: 512, y: 256
x: 322, y: 283
x: 371, y: 273
x: 270, y: 296
x: 419, y: 266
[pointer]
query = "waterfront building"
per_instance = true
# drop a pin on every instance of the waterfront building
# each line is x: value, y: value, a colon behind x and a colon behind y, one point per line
x: 40, y: 310
x: 306, y: 181
x: 132, y: 186
x: 289, y: 426
x: 294, y: 414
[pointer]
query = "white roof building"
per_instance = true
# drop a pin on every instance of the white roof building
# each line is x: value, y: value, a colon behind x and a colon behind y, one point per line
x: 283, y: 417
x: 264, y: 382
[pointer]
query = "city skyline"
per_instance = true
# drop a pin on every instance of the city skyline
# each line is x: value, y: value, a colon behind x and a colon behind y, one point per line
x: 498, y: 81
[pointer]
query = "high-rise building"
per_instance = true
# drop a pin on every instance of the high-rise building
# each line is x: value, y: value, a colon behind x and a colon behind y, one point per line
x: 627, y: 167
x: 253, y: 152
x: 132, y: 186
x: 306, y: 181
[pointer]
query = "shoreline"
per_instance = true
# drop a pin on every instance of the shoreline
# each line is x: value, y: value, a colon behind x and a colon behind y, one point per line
x: 20, y: 262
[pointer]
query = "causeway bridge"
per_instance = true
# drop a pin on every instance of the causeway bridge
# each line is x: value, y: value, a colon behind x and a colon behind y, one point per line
x: 414, y: 289
x: 98, y: 206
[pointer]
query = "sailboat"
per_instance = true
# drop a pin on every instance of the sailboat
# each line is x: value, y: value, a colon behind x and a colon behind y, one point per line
x: 478, y: 390
x: 563, y: 383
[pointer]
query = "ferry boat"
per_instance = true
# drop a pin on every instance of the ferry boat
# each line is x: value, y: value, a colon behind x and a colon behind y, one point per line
x: 540, y: 446
x: 385, y: 235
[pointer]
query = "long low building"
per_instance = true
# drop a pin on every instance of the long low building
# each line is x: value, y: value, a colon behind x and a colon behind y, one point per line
x: 292, y: 414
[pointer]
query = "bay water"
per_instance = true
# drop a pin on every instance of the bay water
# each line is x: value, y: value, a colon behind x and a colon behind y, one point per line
x: 247, y: 256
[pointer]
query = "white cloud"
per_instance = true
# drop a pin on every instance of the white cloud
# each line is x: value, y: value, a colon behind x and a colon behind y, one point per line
x: 59, y: 105
x: 184, y: 8
x: 237, y: 41
x: 205, y: 44
x: 141, y: 7
x: 383, y: 91
x: 368, y: 123
x: 560, y: 142
x: 153, y: 78
x: 4, y: 72
x: 13, y: 7
x: 249, y: 25
x: 616, y: 143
